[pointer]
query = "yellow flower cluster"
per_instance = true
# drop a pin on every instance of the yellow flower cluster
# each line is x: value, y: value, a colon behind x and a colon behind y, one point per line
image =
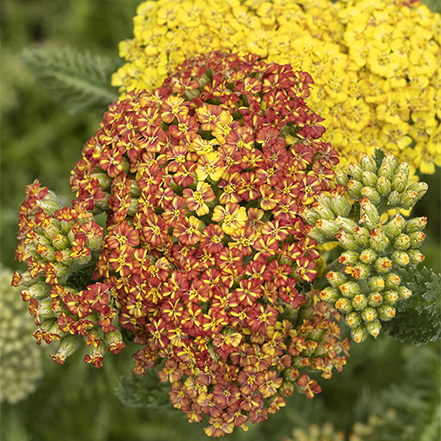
x: 376, y: 63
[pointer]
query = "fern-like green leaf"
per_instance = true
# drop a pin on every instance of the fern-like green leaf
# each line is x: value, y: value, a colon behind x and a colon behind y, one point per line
x: 418, y: 318
x: 80, y: 79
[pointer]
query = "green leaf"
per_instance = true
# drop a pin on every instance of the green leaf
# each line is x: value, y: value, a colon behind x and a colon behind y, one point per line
x: 378, y: 158
x: 418, y: 318
x: 80, y: 79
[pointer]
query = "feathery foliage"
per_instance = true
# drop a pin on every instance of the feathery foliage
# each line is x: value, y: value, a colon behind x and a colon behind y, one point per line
x: 80, y: 79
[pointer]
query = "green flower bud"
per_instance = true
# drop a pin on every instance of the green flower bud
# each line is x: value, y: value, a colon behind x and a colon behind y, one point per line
x: 402, y: 242
x: 355, y: 171
x: 349, y: 289
x: 348, y: 241
x: 348, y: 258
x: 354, y: 189
x: 344, y: 305
x: 410, y: 197
x: 104, y: 180
x: 367, y: 163
x: 329, y: 228
x: 359, y: 334
x: 340, y: 205
x: 133, y: 207
x: 415, y: 257
x: 404, y: 292
x: 369, y: 314
x: 336, y: 278
x: 392, y: 281
x: 373, y: 327
x: 342, y: 178
x: 395, y: 226
x: 359, y: 302
x: 400, y: 258
x: 62, y: 270
x: 378, y: 240
x: 310, y: 216
x: 383, y: 265
x: 415, y: 224
x: 375, y: 299
x: 386, y: 312
x: 324, y: 212
x: 369, y: 213
x: 390, y: 297
x: 416, y: 239
x: 368, y: 256
x: 68, y: 345
x: 60, y: 242
x: 50, y: 203
x: 329, y: 295
x: 376, y: 284
x: 384, y: 186
x: 391, y: 163
x: 362, y: 236
x: 346, y: 224
x: 360, y: 271
x: 317, y: 236
x: 372, y: 194
x: 369, y: 179
x: 353, y: 319
x: 393, y: 200
x: 401, y: 177
x: 38, y: 290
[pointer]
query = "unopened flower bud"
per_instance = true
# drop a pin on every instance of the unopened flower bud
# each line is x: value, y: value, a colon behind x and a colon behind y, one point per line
x: 329, y: 295
x: 317, y: 235
x: 378, y: 240
x: 391, y: 163
x: 310, y: 216
x: 373, y: 327
x: 367, y: 163
x: 359, y: 334
x: 359, y: 271
x: 385, y: 171
x: 393, y: 200
x: 104, y: 180
x: 359, y: 302
x: 354, y: 189
x: 336, y: 278
x: 353, y: 319
x: 401, y: 177
x: 369, y: 179
x: 413, y: 194
x: 342, y: 177
x: 348, y: 257
x: 375, y: 299
x: 340, y: 205
x: 402, y: 242
x: 368, y: 256
x: 372, y: 194
x: 362, y: 236
x: 59, y: 241
x: 416, y: 239
x: 390, y: 297
x: 404, y: 292
x: 355, y: 171
x: 347, y: 240
x: 369, y: 213
x: 349, y: 289
x: 346, y: 224
x: 400, y: 258
x: 38, y: 290
x: 369, y: 314
x: 383, y: 265
x: 329, y: 228
x: 50, y: 203
x: 386, y: 312
x: 376, y: 283
x: 392, y: 281
x: 395, y: 226
x: 133, y: 207
x: 344, y: 305
x: 68, y: 345
x: 415, y: 257
x: 384, y: 186
x: 415, y: 224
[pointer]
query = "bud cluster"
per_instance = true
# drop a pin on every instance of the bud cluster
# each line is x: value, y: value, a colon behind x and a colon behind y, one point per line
x: 365, y: 287
x: 20, y: 358
x: 60, y: 247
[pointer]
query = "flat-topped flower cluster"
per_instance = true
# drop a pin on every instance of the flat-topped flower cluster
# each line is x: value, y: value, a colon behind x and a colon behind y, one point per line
x: 375, y: 64
x: 204, y: 257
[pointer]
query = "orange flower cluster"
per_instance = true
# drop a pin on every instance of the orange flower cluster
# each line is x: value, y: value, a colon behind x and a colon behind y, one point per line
x: 205, y: 256
x: 55, y: 243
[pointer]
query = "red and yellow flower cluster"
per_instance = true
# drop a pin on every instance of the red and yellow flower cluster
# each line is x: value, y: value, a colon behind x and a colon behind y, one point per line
x: 205, y: 257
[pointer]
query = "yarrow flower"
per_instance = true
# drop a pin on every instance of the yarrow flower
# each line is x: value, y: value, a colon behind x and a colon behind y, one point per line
x: 364, y: 284
x: 204, y: 258
x: 376, y: 65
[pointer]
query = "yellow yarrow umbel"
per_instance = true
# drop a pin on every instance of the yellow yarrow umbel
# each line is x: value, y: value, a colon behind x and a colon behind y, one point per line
x: 375, y: 64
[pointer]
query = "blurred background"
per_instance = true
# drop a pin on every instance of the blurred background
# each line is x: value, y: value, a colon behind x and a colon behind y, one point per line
x: 41, y: 138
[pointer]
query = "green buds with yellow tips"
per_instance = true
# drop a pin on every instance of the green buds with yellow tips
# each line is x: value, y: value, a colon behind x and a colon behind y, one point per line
x: 336, y: 278
x: 359, y: 334
x: 376, y: 283
x: 354, y: 189
x: 384, y: 186
x: 367, y: 163
x: 349, y: 289
x: 329, y: 295
x: 353, y: 319
x: 369, y: 314
x: 359, y: 302
x: 375, y: 299
x: 386, y: 312
x: 373, y: 327
x: 401, y: 177
x: 344, y: 305
x: 400, y: 258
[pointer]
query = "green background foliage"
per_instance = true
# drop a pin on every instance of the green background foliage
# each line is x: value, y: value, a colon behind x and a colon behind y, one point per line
x: 42, y: 137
